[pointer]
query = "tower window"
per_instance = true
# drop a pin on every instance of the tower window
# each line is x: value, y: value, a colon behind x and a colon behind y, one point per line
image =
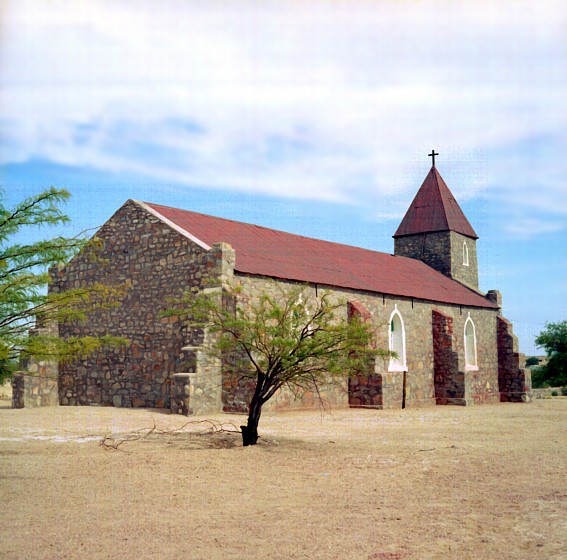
x: 465, y: 254
x: 397, y: 342
x: 470, y: 345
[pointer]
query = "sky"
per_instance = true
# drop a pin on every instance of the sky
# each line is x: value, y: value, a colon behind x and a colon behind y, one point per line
x: 313, y: 117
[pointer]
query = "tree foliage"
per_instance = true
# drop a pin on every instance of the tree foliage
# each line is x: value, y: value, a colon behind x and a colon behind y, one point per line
x: 24, y: 276
x: 553, y: 339
x: 532, y: 361
x: 287, y: 338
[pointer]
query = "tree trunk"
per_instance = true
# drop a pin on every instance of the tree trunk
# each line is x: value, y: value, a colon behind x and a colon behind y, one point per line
x: 250, y: 431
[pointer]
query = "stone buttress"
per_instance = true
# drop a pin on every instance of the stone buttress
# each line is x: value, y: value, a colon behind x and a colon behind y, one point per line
x: 199, y: 391
x: 514, y: 382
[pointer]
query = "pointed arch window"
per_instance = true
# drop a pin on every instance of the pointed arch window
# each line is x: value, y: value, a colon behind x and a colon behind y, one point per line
x: 465, y: 254
x: 397, y: 341
x: 470, y: 345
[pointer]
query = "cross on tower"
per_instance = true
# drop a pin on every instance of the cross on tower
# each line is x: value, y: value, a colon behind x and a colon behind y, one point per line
x: 432, y: 155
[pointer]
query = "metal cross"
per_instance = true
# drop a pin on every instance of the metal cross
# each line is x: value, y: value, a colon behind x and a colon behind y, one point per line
x: 432, y: 155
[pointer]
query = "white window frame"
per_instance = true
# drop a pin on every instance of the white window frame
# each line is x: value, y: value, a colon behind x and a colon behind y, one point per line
x: 399, y: 363
x: 465, y: 254
x: 301, y: 303
x: 470, y: 364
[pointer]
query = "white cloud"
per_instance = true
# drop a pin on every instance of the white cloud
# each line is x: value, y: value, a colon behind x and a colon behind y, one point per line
x: 321, y: 99
x: 532, y: 227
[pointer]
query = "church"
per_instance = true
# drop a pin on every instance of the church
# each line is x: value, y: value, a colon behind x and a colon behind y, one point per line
x: 453, y: 345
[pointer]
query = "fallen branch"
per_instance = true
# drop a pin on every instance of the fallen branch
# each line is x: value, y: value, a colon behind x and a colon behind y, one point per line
x: 214, y: 427
x: 109, y: 442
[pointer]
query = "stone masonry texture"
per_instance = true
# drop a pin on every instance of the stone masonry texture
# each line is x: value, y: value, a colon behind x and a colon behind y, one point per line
x: 515, y: 383
x: 38, y: 384
x: 364, y: 387
x: 442, y: 251
x: 35, y: 390
x: 479, y: 386
x: 153, y: 263
x: 449, y: 381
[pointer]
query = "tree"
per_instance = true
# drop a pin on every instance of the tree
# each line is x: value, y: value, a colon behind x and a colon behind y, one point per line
x: 285, y: 339
x: 24, y: 276
x: 532, y: 361
x: 553, y: 339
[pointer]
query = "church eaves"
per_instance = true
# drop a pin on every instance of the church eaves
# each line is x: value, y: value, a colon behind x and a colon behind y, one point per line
x: 434, y: 208
x: 277, y: 254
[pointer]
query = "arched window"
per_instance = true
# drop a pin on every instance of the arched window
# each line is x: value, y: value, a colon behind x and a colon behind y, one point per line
x: 470, y: 345
x: 465, y: 254
x: 301, y: 313
x: 397, y: 341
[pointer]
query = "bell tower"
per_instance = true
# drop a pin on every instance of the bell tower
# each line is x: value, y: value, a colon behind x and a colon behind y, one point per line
x: 435, y: 231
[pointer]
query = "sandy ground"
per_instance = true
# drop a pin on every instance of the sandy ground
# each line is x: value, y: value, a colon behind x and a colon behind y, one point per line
x: 484, y: 482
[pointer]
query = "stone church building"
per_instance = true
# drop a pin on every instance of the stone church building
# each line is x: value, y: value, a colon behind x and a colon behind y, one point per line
x: 453, y: 345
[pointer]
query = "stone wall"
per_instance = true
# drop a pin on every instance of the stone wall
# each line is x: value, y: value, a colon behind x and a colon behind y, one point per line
x: 449, y: 380
x: 206, y: 376
x: 153, y: 263
x: 433, y: 249
x: 480, y: 384
x: 443, y: 251
x: 365, y: 390
x: 6, y: 389
x: 38, y: 384
x: 364, y: 387
x: 515, y: 382
x: 547, y: 392
x: 467, y: 275
x: 180, y: 396
x: 32, y: 391
x: 237, y: 390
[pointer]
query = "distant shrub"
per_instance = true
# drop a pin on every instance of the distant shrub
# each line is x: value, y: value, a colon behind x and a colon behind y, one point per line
x: 554, y: 394
x: 532, y: 361
x: 554, y: 340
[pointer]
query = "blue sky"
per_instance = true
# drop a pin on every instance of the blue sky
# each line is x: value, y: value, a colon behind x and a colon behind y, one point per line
x: 313, y: 117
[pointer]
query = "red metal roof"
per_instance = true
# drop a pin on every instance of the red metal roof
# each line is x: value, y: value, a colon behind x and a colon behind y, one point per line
x: 269, y: 252
x: 434, y: 208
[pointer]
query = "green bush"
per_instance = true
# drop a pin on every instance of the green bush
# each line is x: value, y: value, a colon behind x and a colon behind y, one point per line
x: 554, y: 340
x: 564, y: 391
x: 554, y: 394
x: 532, y: 361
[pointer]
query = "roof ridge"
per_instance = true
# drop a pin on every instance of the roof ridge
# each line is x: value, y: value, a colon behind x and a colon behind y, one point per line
x: 270, y: 229
x: 438, y: 179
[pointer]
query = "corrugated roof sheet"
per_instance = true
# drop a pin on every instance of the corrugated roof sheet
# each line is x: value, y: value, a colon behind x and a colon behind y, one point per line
x: 434, y: 208
x: 269, y: 252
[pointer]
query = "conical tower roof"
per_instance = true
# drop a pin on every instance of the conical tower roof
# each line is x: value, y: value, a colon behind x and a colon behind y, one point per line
x: 434, y: 208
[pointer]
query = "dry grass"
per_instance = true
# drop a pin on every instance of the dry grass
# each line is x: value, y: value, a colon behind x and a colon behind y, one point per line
x: 440, y: 483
